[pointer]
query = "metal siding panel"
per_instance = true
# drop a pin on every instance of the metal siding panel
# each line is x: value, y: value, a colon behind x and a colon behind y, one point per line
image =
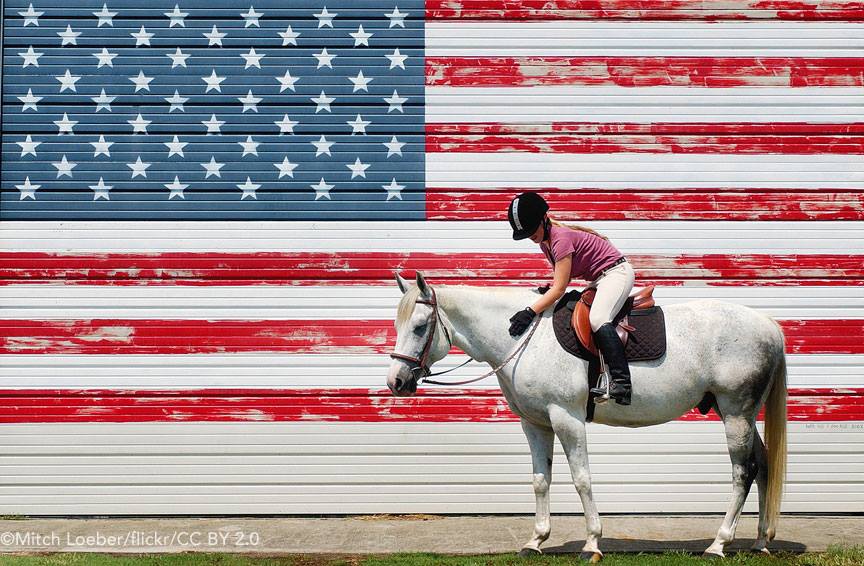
x: 603, y: 125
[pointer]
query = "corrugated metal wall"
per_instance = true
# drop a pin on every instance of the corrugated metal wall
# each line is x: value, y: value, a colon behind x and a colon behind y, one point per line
x: 167, y: 360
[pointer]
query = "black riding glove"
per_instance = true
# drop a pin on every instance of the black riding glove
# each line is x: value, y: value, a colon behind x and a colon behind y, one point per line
x: 542, y: 289
x: 521, y: 321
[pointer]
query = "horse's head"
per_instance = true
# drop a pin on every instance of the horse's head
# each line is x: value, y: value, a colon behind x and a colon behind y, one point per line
x: 421, y: 337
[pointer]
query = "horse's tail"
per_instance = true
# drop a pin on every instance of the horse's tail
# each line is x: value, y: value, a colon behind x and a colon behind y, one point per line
x: 775, y: 441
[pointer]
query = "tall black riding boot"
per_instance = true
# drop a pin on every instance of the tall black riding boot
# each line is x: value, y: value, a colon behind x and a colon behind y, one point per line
x: 610, y: 345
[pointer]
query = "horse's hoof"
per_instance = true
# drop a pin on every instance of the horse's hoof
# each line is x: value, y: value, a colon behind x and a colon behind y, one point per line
x: 760, y: 550
x: 712, y: 556
x: 528, y: 551
x: 591, y: 557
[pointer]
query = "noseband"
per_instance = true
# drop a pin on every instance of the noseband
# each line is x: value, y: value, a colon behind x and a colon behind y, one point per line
x: 420, y: 368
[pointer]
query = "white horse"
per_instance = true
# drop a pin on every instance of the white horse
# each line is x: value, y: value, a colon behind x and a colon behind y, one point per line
x: 729, y: 351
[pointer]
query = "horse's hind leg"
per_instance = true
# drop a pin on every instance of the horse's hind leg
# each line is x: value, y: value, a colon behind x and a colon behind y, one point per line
x: 760, y: 455
x: 740, y: 434
x: 541, y: 440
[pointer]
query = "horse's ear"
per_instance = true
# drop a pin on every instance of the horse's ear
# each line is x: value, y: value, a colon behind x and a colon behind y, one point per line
x: 403, y: 284
x: 425, y: 290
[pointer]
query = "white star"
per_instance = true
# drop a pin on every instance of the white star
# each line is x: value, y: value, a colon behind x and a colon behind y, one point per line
x: 65, y: 125
x: 324, y: 59
x: 214, y: 37
x: 142, y: 37
x: 250, y: 146
x: 395, y: 102
x: 29, y: 101
x: 176, y: 188
x: 105, y: 16
x: 101, y: 147
x: 64, y: 167
x: 393, y: 190
x: 248, y: 189
x: 28, y: 190
x: 213, y: 124
x: 68, y: 36
x: 138, y: 168
x: 213, y: 168
x: 139, y: 124
x: 30, y: 57
x: 360, y: 82
x: 325, y: 18
x: 360, y: 37
x: 289, y: 37
x: 251, y: 17
x: 358, y: 168
x: 322, y: 189
x: 285, y: 168
x: 67, y: 81
x: 323, y: 102
x: 30, y: 17
x: 322, y: 146
x: 176, y: 102
x: 175, y: 147
x: 252, y: 59
x: 396, y: 59
x: 28, y: 146
x: 100, y: 190
x: 103, y: 101
x: 250, y: 102
x: 358, y: 125
x: 394, y: 147
x: 142, y: 82
x: 213, y: 82
x: 397, y: 18
x: 177, y: 17
x: 287, y: 81
x: 105, y: 58
x: 178, y: 58
x: 286, y: 125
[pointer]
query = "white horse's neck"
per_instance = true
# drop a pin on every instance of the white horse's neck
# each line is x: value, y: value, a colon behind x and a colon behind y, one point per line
x: 480, y: 319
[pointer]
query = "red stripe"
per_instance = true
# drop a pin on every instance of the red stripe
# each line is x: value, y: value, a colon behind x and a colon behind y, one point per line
x: 151, y: 336
x: 645, y: 71
x: 330, y: 405
x: 589, y: 204
x: 376, y: 268
x: 652, y: 128
x: 642, y: 10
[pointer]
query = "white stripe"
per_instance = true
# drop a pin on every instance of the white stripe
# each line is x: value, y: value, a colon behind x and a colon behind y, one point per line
x: 59, y: 302
x: 621, y: 170
x: 296, y: 467
x: 544, y: 104
x: 515, y: 213
x: 315, y: 371
x: 644, y: 39
x: 631, y: 237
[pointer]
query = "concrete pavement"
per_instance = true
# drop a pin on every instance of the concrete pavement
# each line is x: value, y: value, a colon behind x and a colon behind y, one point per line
x: 412, y: 533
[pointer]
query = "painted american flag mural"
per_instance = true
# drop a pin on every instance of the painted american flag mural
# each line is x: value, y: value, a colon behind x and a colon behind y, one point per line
x: 203, y: 205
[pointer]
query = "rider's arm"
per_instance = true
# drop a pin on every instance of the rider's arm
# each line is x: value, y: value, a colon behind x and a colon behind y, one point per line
x: 559, y: 286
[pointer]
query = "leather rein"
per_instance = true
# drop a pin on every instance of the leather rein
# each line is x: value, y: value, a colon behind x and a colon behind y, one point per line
x: 420, y: 370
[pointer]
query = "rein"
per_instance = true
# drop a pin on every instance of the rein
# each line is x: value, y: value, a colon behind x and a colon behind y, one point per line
x: 421, y: 361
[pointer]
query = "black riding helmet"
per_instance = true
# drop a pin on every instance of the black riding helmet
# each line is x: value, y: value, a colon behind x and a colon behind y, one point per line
x: 525, y: 214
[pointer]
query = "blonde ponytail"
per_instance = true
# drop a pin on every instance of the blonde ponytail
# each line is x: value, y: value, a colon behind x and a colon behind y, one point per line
x: 577, y: 227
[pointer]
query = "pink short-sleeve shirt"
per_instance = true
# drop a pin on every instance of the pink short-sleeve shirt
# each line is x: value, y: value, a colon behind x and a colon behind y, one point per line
x: 591, y: 254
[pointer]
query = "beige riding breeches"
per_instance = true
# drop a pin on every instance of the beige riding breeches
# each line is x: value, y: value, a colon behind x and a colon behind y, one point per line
x: 613, y: 289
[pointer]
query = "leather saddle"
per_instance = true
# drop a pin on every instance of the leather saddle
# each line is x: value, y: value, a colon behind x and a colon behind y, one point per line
x: 639, y: 299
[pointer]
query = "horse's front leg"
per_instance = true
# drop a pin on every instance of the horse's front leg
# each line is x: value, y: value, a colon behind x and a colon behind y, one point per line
x: 570, y: 429
x: 541, y: 440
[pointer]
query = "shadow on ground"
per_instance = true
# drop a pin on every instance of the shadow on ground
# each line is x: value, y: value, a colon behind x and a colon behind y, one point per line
x: 647, y: 545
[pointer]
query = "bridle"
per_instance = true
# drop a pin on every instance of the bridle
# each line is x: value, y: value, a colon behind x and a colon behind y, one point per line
x: 420, y: 370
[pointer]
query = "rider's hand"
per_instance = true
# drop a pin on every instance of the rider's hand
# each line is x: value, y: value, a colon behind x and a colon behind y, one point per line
x: 521, y: 321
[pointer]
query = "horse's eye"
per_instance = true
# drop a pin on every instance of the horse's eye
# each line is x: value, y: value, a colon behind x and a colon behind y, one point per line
x: 421, y: 330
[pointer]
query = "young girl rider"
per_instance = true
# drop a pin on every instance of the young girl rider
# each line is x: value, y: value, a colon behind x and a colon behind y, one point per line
x: 584, y: 254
